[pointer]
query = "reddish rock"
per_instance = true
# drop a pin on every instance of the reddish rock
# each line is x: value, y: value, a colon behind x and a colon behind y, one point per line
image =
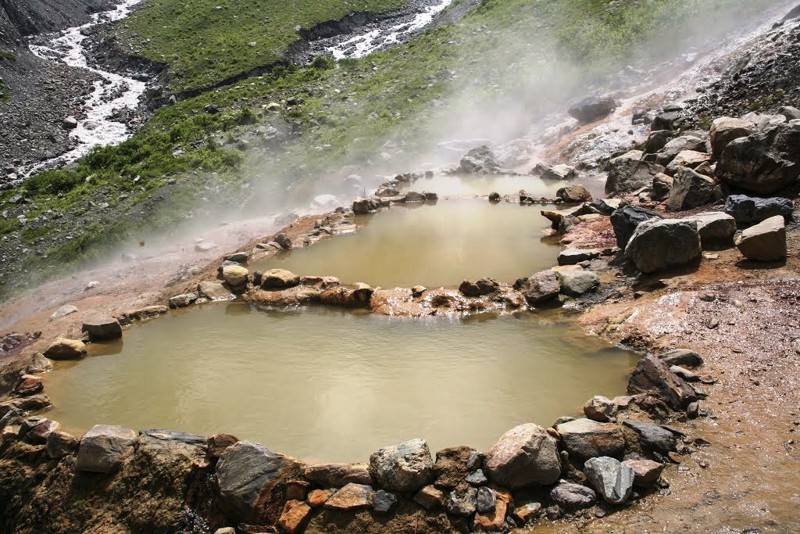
x: 528, y: 512
x: 318, y: 497
x: 646, y: 472
x: 454, y: 464
x: 351, y: 497
x: 494, y: 520
x: 29, y: 385
x: 430, y: 498
x: 218, y: 443
x: 294, y: 517
x: 36, y: 429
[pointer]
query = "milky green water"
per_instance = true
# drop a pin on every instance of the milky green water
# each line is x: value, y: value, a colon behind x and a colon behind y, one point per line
x: 433, y: 245
x: 331, y: 385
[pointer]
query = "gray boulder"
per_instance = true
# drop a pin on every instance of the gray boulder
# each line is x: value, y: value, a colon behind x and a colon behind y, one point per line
x: 657, y: 140
x: 60, y: 444
x: 592, y: 108
x: 726, y: 129
x: 573, y: 496
x: 652, y: 375
x: 575, y: 283
x: 486, y: 500
x: 688, y: 158
x: 524, y: 456
x: 611, y: 479
x: 765, y: 241
x: 584, y: 439
x: 540, y: 288
x: 247, y: 470
x: 654, y: 437
x: 183, y: 300
x: 574, y: 256
x: 662, y: 185
x: 629, y: 172
x: 383, y: 501
x: 670, y: 118
x: 404, y: 467
x: 574, y: 194
x: 480, y: 160
x: 716, y: 229
x: 559, y: 172
x: 690, y: 190
x: 462, y: 501
x: 626, y: 219
x: 751, y: 210
x: 364, y: 206
x: 658, y: 244
x: 103, y: 448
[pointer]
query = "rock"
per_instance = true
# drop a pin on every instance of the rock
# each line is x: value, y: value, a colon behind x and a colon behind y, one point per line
x: 626, y: 219
x: 483, y: 286
x: 654, y: 437
x: 404, y: 467
x: 584, y: 439
x: 476, y: 478
x: 657, y: 140
x: 348, y: 297
x: 338, y: 475
x: 318, y: 497
x: 578, y: 282
x: 572, y: 256
x: 658, y: 244
x: 764, y: 162
x: 462, y: 501
x: 383, y: 501
x: 486, y: 500
x: 791, y: 113
x: 279, y: 279
x: 63, y: 311
x: 628, y: 172
x: 102, y: 328
x: 294, y: 517
x: 765, y: 241
x: 593, y: 108
x: 211, y: 109
x: 653, y: 376
x: 671, y: 118
x: 216, y: 444
x: 235, y: 275
x: 559, y: 172
x: 246, y: 471
x: 683, y: 357
x: 430, y: 498
x: 678, y: 145
x: 351, y: 497
x: 524, y: 456
x: 214, y: 291
x: 726, y: 129
x: 574, y: 194
x: 66, y: 349
x: 413, y: 196
x: 150, y: 312
x: 320, y: 282
x: 103, y: 448
x: 716, y: 229
x: 611, y: 479
x: 646, y: 472
x: 527, y: 512
x: 541, y: 288
x: 387, y: 190
x: 572, y: 497
x: 183, y: 300
x: 690, y: 190
x: 283, y: 241
x: 751, y: 210
x: 600, y: 408
x: 494, y: 519
x: 607, y: 206
x: 454, y: 464
x: 69, y: 123
x: 39, y: 431
x: 60, y: 444
x: 238, y: 257
x: 297, y: 490
x: 28, y: 385
x: 687, y: 159
x: 662, y: 185
x: 480, y: 160
x: 204, y: 247
x: 364, y: 206
x: 494, y: 197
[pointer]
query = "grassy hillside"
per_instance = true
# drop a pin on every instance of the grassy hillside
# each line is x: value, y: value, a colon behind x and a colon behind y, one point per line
x: 507, y: 58
x: 204, y: 41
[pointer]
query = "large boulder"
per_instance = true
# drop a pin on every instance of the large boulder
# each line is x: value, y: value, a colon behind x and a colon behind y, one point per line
x: 103, y: 448
x: 690, y: 190
x: 364, y: 206
x: 751, y: 210
x: 626, y: 219
x: 765, y: 241
x: 765, y: 162
x: 66, y: 349
x: 279, y: 279
x: 726, y: 129
x: 593, y: 108
x: 658, y: 244
x: 629, y: 172
x: 480, y: 160
x: 657, y: 140
x: 574, y: 194
x: 404, y: 467
x: 584, y: 439
x: 540, y: 288
x: 716, y: 229
x: 652, y: 375
x: 102, y: 328
x: 524, y: 456
x: 246, y: 472
x: 577, y: 282
x: 612, y: 479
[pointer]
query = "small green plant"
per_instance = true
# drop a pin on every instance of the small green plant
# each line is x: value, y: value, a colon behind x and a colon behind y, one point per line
x: 8, y: 56
x: 323, y: 62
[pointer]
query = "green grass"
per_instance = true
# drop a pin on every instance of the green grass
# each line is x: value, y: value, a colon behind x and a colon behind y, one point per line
x: 206, y: 41
x: 7, y: 56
